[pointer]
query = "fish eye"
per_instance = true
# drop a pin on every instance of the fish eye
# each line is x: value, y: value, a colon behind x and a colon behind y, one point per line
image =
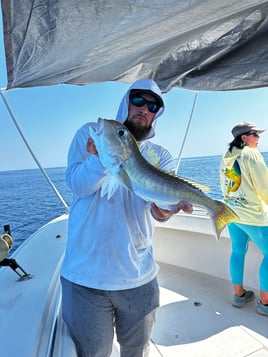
x: 121, y: 132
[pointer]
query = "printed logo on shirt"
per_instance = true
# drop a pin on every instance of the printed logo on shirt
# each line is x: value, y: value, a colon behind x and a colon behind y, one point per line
x: 234, y: 178
x: 151, y: 156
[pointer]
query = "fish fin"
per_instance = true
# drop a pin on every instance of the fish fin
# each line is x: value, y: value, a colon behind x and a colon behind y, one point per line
x: 223, y: 216
x: 196, y: 184
x: 109, y: 186
x: 113, y: 181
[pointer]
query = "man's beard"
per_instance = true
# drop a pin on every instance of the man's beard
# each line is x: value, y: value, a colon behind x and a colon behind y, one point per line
x: 138, y: 133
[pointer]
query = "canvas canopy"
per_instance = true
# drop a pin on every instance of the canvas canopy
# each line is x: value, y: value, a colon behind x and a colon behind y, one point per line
x: 198, y: 44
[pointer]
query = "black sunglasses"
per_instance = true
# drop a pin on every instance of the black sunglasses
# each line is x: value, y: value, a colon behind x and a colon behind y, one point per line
x: 254, y: 133
x: 139, y: 101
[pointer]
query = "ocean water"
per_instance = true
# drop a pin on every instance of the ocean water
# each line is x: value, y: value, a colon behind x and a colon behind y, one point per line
x: 27, y: 201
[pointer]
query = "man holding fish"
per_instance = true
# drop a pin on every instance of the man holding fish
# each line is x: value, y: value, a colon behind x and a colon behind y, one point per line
x: 109, y: 273
x: 121, y: 182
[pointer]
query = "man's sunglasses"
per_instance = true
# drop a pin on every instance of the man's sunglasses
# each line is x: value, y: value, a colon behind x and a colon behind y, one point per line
x: 254, y: 133
x: 139, y: 101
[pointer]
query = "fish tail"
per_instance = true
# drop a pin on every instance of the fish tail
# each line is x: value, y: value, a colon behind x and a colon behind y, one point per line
x: 222, y: 216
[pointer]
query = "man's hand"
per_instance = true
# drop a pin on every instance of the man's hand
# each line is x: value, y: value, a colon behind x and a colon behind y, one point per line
x: 163, y: 215
x: 91, y: 147
x: 185, y: 206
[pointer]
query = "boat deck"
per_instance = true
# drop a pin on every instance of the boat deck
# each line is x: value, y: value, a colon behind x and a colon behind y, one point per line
x: 196, y: 318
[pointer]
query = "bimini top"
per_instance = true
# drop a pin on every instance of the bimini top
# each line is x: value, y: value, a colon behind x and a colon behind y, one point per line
x: 199, y: 45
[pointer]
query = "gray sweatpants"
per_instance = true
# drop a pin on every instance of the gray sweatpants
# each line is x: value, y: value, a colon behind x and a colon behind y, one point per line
x: 91, y: 316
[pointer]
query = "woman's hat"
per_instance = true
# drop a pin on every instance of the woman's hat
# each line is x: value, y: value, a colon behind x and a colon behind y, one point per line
x: 245, y: 127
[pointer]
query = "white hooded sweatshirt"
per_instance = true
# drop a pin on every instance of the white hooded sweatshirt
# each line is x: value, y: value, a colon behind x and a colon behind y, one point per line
x: 109, y: 243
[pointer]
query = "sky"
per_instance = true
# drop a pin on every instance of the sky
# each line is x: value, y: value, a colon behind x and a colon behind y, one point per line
x: 50, y: 116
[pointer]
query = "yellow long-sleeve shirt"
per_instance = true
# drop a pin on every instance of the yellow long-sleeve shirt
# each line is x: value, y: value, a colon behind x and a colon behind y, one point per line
x: 244, y: 183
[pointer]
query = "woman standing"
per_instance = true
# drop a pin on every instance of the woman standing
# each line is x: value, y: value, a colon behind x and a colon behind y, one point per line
x: 244, y: 182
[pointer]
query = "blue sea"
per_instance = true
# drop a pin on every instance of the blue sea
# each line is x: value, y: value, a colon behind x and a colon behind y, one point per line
x: 28, y: 202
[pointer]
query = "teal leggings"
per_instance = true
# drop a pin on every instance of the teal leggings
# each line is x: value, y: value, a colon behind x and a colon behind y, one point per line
x: 240, y: 235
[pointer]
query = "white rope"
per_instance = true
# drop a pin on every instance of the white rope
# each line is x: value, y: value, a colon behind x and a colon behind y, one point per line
x: 31, y: 152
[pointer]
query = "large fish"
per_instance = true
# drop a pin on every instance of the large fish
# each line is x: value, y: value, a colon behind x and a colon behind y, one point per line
x: 120, y: 154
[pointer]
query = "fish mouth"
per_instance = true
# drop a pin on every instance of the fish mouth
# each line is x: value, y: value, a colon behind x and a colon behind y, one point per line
x: 99, y: 126
x: 97, y: 130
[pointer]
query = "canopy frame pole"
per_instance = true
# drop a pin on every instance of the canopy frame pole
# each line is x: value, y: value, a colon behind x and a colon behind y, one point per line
x: 31, y: 151
x: 186, y: 132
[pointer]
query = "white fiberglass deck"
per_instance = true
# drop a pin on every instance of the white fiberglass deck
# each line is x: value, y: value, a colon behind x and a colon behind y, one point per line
x: 197, y: 319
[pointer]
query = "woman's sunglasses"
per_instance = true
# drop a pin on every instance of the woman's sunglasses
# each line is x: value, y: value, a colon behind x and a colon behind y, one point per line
x: 139, y: 101
x: 254, y: 133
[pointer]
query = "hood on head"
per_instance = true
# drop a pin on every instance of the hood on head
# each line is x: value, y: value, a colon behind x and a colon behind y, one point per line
x: 145, y: 85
